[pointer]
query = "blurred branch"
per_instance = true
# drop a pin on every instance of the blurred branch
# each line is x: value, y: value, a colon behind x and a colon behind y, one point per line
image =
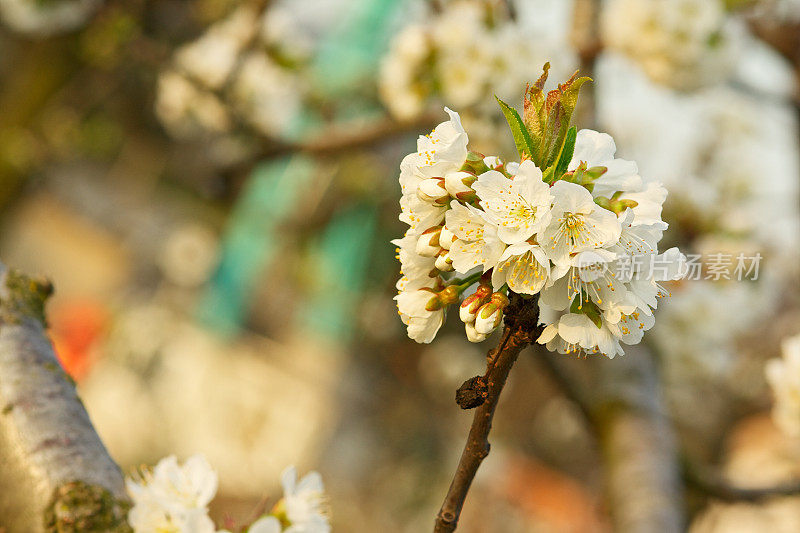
x: 621, y: 401
x: 62, y: 475
x: 710, y: 482
x: 780, y: 33
x: 642, y: 462
x: 336, y: 138
x: 521, y: 317
x: 585, y: 37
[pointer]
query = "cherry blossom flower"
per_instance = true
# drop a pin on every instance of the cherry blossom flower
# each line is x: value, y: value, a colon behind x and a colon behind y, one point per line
x: 520, y: 207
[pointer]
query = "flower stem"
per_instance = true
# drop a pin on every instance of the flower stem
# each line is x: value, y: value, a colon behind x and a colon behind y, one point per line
x: 465, y: 283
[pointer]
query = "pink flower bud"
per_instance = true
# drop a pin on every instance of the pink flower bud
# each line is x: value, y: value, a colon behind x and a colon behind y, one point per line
x: 490, y: 315
x: 469, y: 307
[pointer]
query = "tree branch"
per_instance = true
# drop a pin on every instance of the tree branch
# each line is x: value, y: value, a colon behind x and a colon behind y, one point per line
x: 56, y: 475
x: 520, y: 329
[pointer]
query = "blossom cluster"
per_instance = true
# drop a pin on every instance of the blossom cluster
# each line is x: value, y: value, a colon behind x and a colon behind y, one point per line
x: 462, y: 55
x: 683, y: 44
x: 783, y: 376
x: 174, y: 498
x: 557, y: 232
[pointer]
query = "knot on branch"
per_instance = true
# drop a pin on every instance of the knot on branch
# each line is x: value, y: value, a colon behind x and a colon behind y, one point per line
x: 523, y: 314
x: 472, y: 393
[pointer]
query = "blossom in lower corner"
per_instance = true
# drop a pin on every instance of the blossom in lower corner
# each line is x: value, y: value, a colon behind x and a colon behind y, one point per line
x: 173, y: 497
x: 303, y: 507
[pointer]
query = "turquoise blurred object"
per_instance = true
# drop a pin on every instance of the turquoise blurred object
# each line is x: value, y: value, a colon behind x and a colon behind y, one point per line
x: 347, y: 59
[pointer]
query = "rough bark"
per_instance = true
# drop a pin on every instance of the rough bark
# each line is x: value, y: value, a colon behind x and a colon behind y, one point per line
x: 55, y: 473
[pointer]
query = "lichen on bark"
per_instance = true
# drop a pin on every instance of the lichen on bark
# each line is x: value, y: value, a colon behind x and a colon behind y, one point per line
x: 80, y: 507
x: 24, y: 297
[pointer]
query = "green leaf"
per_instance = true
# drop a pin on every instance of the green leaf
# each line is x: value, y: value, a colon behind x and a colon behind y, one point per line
x: 567, y: 150
x: 522, y: 138
x: 583, y: 305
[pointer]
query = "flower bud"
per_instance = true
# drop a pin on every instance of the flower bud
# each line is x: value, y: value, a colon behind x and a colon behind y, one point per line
x: 434, y: 304
x: 443, y: 262
x: 459, y: 185
x: 449, y: 295
x: 428, y: 242
x: 472, y: 333
x: 490, y: 314
x: 469, y: 307
x: 475, y: 163
x: 446, y: 238
x: 432, y: 190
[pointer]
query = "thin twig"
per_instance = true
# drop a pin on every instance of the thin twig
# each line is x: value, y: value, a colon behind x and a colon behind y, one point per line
x: 520, y: 329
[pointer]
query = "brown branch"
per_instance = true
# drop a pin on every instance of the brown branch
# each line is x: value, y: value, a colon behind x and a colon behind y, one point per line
x: 56, y: 474
x: 520, y: 329
x: 338, y: 138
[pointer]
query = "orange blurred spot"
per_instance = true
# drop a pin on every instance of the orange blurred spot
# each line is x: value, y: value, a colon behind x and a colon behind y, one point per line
x: 75, y: 327
x: 552, y: 497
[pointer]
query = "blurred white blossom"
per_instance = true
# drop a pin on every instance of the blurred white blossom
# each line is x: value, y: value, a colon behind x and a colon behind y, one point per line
x: 462, y: 57
x: 173, y: 497
x: 679, y: 43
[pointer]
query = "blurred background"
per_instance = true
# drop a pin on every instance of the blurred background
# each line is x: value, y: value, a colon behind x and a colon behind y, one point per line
x: 212, y: 187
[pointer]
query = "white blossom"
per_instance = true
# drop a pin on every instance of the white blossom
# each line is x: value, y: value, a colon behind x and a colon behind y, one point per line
x: 524, y: 267
x: 587, y: 243
x: 684, y: 44
x: 173, y: 497
x: 477, y: 241
x: 46, y: 18
x: 423, y: 323
x: 304, y: 502
x: 577, y: 224
x: 520, y: 207
x: 265, y: 524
